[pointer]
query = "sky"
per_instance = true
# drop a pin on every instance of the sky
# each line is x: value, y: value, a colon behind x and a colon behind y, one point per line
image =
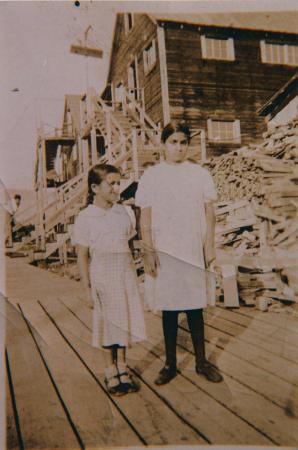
x: 37, y: 68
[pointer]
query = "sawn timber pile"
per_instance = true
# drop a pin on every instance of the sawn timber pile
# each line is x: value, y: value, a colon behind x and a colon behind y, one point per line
x: 257, y: 213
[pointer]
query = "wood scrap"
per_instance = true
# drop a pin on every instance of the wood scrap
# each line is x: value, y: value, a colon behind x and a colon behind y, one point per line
x: 257, y: 212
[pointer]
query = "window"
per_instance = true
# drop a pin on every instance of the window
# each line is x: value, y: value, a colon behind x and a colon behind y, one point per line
x: 218, y: 48
x: 224, y: 131
x: 129, y: 22
x: 149, y: 56
x: 279, y: 53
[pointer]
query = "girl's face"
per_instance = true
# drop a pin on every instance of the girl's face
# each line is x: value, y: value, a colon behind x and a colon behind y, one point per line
x: 176, y: 147
x: 109, y: 188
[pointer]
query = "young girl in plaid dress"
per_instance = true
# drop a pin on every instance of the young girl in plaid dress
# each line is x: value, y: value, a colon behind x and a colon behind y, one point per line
x: 102, y: 231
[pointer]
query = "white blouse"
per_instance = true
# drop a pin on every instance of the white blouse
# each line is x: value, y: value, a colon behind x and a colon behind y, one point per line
x: 177, y: 195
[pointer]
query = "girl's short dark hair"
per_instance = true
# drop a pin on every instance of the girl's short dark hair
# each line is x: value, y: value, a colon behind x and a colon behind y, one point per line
x: 175, y: 127
x: 96, y: 175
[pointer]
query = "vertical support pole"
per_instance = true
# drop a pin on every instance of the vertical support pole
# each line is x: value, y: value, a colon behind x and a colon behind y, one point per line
x: 113, y: 96
x: 124, y: 100
x: 44, y: 194
x: 109, y: 133
x: 163, y: 75
x: 85, y: 155
x: 135, y: 154
x: 93, y: 146
x: 203, y: 146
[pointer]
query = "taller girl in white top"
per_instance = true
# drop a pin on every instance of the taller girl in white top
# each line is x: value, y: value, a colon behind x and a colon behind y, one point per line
x: 102, y: 231
x: 177, y: 225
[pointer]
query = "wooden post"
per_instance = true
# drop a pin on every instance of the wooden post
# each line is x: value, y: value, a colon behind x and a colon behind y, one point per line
x: 41, y: 183
x: 230, y: 287
x: 203, y: 146
x: 123, y: 100
x: 113, y: 96
x: 135, y: 154
x: 163, y: 75
x: 93, y: 146
x: 85, y: 155
x: 109, y: 133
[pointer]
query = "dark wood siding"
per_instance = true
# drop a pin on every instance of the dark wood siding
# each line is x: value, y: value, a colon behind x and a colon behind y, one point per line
x: 203, y: 88
x: 126, y: 47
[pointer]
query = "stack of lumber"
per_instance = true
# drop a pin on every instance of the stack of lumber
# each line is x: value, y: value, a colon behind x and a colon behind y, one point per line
x: 254, y: 170
x: 257, y: 215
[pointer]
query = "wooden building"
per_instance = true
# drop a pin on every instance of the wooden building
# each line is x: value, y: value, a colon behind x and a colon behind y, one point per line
x: 214, y: 71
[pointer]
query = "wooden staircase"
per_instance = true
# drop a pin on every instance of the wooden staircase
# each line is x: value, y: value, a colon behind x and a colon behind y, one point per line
x: 132, y: 142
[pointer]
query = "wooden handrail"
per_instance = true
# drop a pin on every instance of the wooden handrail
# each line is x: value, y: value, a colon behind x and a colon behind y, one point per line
x: 140, y: 110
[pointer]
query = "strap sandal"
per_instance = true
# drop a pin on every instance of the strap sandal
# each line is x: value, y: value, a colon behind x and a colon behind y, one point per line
x: 210, y: 371
x: 128, y: 382
x: 114, y: 387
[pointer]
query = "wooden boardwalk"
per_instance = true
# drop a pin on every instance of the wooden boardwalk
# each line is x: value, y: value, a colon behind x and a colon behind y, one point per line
x: 57, y: 399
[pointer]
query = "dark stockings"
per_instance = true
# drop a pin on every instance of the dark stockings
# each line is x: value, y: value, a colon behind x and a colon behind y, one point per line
x: 170, y: 327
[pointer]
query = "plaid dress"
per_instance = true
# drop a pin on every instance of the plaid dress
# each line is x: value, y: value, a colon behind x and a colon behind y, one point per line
x: 118, y: 311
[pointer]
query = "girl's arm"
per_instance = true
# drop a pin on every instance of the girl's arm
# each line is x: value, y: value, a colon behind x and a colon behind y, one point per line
x: 150, y: 257
x: 146, y: 227
x: 83, y: 264
x: 209, y: 246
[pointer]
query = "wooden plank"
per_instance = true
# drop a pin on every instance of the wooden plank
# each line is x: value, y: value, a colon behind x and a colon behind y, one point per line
x: 90, y: 409
x: 144, y: 410
x: 230, y: 286
x: 38, y: 418
x: 239, y: 396
x: 277, y: 331
x: 280, y: 320
x: 12, y: 440
x: 262, y: 339
x: 201, y: 409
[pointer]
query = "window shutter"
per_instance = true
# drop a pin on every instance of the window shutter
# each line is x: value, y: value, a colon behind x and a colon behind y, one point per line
x: 209, y: 129
x: 231, y: 49
x: 203, y: 46
x: 263, y: 51
x: 237, y: 131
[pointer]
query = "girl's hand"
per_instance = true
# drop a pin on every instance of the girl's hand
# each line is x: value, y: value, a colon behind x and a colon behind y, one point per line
x: 151, y: 262
x: 88, y: 298
x: 210, y: 255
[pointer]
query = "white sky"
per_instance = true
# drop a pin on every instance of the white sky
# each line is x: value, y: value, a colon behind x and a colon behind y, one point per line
x: 35, y: 38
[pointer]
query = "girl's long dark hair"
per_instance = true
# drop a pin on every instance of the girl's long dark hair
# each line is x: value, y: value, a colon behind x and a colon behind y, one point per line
x: 96, y: 175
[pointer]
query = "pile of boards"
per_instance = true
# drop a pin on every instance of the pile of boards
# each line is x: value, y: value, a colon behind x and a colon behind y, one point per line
x: 257, y: 215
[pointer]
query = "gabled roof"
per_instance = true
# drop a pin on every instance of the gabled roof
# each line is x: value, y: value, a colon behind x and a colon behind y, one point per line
x: 281, y: 21
x: 284, y: 94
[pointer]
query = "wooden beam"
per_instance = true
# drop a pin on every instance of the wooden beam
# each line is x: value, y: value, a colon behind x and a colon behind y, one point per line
x: 86, y: 51
x: 230, y: 288
x: 163, y: 75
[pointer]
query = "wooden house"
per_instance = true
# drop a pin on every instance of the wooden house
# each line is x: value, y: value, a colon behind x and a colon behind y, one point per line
x: 214, y: 71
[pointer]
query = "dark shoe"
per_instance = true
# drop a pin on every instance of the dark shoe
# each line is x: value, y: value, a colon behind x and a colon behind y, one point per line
x: 210, y: 371
x: 166, y: 375
x: 115, y: 389
x: 128, y: 383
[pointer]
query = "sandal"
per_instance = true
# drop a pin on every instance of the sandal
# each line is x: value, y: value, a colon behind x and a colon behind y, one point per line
x: 128, y: 382
x: 114, y: 386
